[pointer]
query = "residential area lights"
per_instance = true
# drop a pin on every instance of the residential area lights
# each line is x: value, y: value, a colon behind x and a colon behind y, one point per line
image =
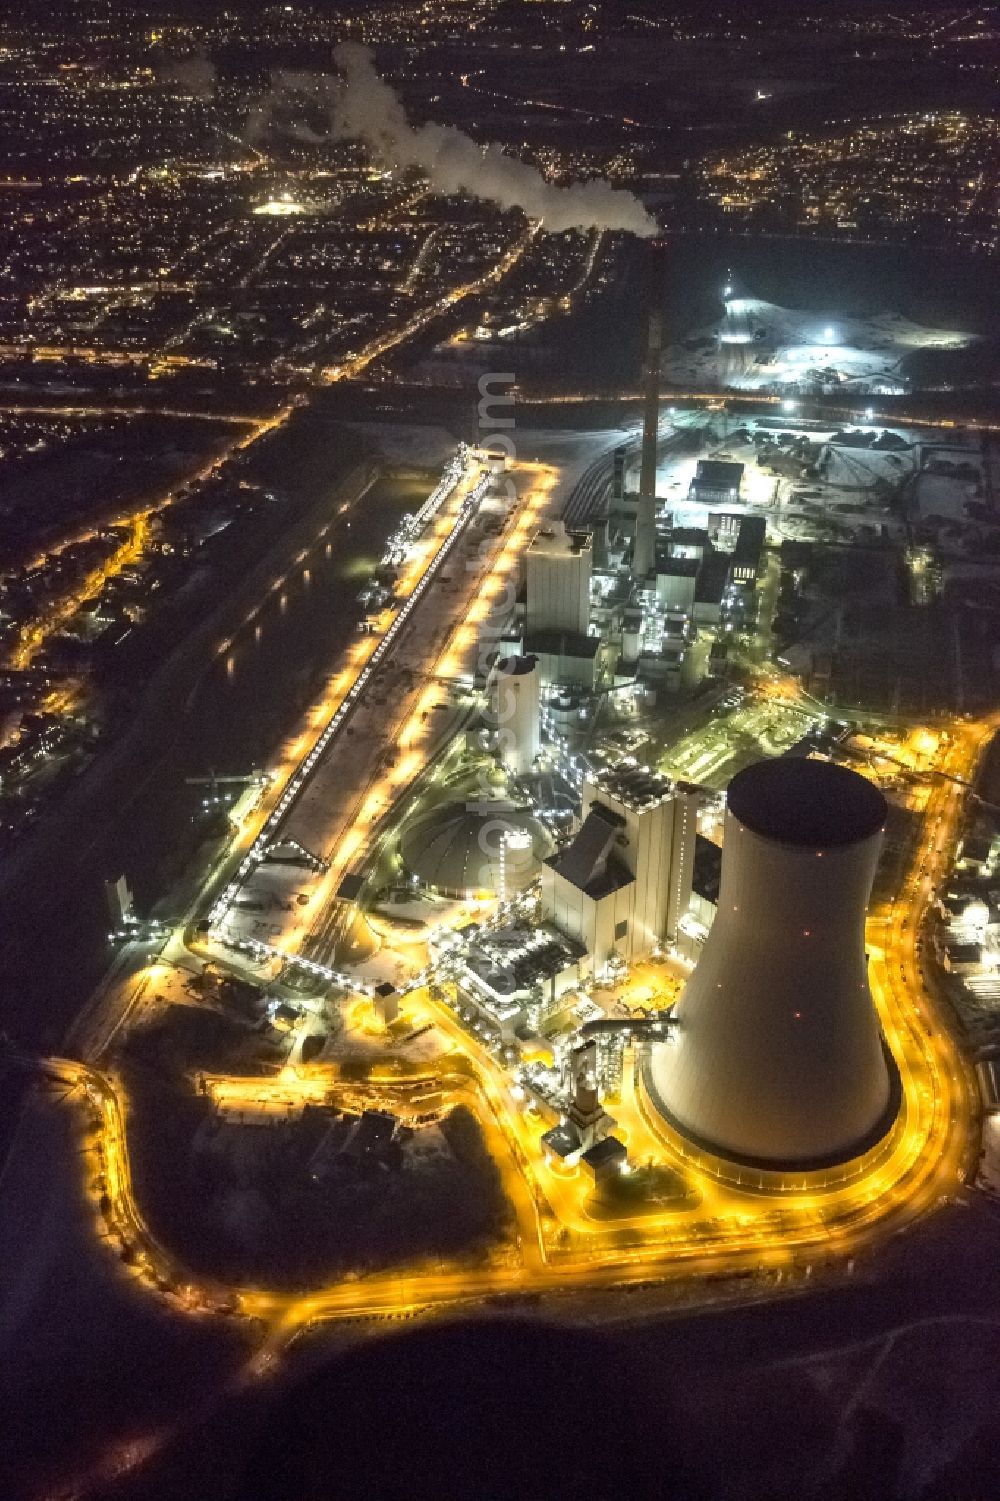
x: 913, y: 176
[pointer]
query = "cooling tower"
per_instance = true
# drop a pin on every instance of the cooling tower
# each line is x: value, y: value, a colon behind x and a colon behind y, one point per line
x: 777, y: 1057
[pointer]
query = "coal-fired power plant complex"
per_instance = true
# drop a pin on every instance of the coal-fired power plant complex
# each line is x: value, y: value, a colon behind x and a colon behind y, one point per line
x: 776, y: 1059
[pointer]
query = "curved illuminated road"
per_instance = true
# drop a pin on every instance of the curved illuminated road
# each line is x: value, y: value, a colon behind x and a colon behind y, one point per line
x: 722, y: 1227
x: 718, y: 1220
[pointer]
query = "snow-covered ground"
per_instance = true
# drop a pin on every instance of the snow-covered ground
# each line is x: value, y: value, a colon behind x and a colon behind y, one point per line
x: 943, y: 495
x: 387, y: 965
x: 273, y: 904
x: 409, y: 443
x: 850, y: 492
x: 762, y: 345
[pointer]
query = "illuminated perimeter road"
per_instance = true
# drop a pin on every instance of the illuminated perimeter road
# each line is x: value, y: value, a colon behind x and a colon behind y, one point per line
x: 709, y: 1219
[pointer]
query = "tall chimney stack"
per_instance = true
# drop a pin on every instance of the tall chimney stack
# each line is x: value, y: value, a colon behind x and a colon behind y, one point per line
x: 644, y: 552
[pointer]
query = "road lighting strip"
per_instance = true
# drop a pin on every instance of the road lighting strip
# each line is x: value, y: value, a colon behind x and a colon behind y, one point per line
x: 303, y: 771
x: 453, y: 471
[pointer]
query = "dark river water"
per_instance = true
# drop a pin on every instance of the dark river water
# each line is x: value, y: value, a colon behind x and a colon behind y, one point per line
x: 246, y: 701
x: 251, y: 696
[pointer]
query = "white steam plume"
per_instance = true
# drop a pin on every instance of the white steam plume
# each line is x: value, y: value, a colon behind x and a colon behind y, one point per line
x: 366, y: 107
x: 359, y: 104
x: 195, y: 73
x: 319, y: 89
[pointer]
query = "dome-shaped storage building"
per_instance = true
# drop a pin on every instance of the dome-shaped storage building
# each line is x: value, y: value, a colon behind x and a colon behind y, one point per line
x: 777, y: 1059
x: 475, y: 849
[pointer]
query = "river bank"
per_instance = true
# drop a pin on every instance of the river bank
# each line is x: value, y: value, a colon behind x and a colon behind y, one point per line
x: 204, y: 710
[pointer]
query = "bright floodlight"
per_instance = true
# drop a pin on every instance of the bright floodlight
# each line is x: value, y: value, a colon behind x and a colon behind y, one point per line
x: 829, y: 334
x: 869, y: 414
x: 727, y: 290
x: 280, y: 208
x: 788, y: 405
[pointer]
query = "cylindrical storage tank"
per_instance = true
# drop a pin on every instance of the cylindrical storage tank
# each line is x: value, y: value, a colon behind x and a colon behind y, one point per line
x: 515, y: 709
x: 518, y: 863
x: 777, y: 1058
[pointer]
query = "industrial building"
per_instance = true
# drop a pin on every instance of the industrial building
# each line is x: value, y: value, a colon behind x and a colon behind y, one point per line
x: 618, y: 462
x: 621, y: 886
x: 688, y: 542
x: 559, y: 566
x: 586, y: 1123
x: 386, y: 1003
x: 716, y: 483
x: 514, y: 976
x: 713, y: 576
x: 630, y: 515
x: 676, y: 581
x: 670, y: 574
x: 565, y: 658
x: 515, y: 711
x: 747, y: 560
x: 606, y: 1159
x: 777, y: 1059
x: 118, y: 896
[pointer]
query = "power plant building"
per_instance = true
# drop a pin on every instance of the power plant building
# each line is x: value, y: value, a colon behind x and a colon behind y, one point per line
x: 565, y: 657
x: 559, y: 568
x: 688, y: 542
x: 710, y: 589
x: 716, y: 482
x: 624, y: 882
x: 676, y: 582
x: 515, y: 711
x: 777, y: 1059
x: 119, y: 899
x: 644, y: 545
x: 618, y: 462
x: 747, y: 561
